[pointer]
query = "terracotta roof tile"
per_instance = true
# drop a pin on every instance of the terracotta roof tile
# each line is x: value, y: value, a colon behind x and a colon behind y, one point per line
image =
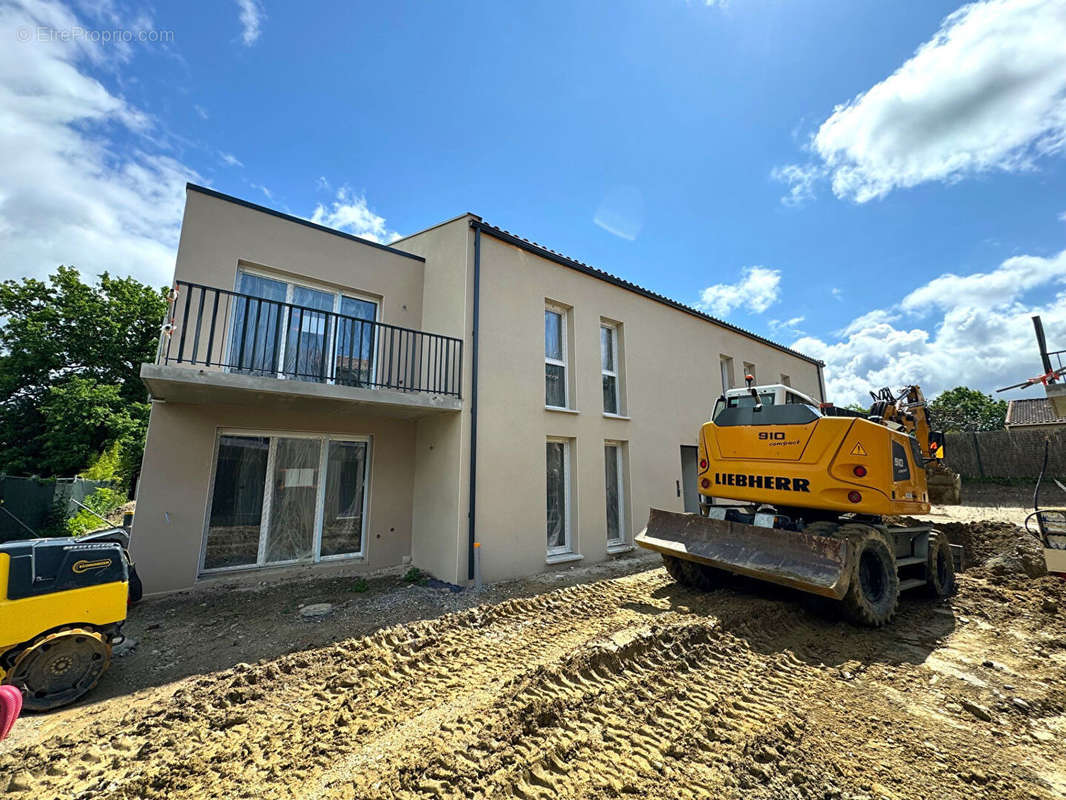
x: 1036, y: 411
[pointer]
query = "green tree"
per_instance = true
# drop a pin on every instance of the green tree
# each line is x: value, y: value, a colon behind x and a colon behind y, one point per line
x: 70, y: 355
x: 964, y: 409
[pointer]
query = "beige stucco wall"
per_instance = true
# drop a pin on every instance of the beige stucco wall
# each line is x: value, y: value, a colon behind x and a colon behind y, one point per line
x: 672, y: 379
x: 174, y: 489
x: 439, y: 541
x: 217, y: 235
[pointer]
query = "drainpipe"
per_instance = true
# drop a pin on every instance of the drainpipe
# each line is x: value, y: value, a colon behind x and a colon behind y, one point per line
x: 473, y: 402
x: 821, y: 383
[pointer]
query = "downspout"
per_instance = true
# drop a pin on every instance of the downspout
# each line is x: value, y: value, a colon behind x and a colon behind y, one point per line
x: 821, y: 383
x: 473, y: 403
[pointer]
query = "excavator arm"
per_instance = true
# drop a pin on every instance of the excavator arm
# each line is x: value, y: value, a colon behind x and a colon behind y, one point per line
x: 910, y: 411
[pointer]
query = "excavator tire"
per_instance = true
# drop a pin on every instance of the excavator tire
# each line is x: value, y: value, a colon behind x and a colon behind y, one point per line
x: 674, y: 569
x: 689, y: 573
x: 823, y: 528
x: 700, y: 576
x: 873, y: 590
x: 940, y: 567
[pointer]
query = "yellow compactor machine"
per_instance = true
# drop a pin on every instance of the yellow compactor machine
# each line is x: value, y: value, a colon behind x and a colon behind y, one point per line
x: 800, y: 493
x: 62, y: 605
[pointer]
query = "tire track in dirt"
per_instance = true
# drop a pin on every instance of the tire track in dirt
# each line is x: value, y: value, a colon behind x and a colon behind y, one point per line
x: 605, y: 718
x: 313, y: 707
x: 630, y: 685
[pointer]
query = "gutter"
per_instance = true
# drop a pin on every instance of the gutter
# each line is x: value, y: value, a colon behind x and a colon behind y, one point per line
x: 473, y: 402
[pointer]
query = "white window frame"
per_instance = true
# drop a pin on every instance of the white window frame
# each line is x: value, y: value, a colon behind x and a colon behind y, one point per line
x: 563, y: 347
x: 751, y: 372
x: 268, y: 493
x: 614, y: 328
x: 725, y: 365
x: 338, y: 292
x: 620, y: 462
x: 568, y: 537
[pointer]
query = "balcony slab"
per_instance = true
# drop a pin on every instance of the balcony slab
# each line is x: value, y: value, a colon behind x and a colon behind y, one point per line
x: 203, y: 386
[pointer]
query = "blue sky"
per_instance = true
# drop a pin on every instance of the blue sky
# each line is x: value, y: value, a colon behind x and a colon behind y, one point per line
x: 881, y: 185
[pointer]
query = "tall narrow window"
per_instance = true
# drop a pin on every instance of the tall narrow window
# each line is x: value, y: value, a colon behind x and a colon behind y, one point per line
x: 727, y: 373
x: 609, y: 368
x: 558, y: 508
x: 555, y: 377
x: 785, y: 380
x: 612, y: 465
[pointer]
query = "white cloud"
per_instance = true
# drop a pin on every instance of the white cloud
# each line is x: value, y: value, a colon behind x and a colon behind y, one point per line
x: 787, y: 326
x: 1062, y: 217
x: 837, y: 293
x: 200, y: 111
x: 801, y: 181
x: 757, y: 290
x: 980, y: 338
x: 229, y: 159
x: 88, y: 186
x: 266, y: 192
x: 986, y: 93
x: 1005, y: 284
x: 350, y: 213
x: 251, y: 16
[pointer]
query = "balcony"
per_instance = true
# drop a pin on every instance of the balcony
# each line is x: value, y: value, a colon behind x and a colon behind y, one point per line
x: 217, y: 346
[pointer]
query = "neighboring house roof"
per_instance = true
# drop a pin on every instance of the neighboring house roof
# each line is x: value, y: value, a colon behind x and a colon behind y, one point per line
x: 525, y: 244
x: 1037, y: 411
x: 559, y: 258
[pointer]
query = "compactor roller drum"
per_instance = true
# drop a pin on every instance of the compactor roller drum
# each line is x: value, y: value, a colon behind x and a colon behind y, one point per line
x: 60, y: 667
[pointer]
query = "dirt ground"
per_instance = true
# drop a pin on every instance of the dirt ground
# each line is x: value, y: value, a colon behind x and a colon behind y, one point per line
x: 593, y: 682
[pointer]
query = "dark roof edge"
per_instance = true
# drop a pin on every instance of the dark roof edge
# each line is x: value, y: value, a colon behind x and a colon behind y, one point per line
x: 558, y: 258
x: 298, y: 220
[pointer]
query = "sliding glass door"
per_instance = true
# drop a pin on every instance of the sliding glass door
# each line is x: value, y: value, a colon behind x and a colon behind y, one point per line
x: 285, y: 499
x: 302, y: 333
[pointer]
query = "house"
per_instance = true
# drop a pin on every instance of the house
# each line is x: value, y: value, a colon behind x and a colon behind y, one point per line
x: 1033, y: 414
x: 318, y: 398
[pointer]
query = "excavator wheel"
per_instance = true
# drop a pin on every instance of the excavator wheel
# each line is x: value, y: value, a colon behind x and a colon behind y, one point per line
x: 674, y: 569
x: 689, y: 573
x: 823, y: 528
x: 873, y: 590
x: 700, y: 576
x: 940, y: 567
x: 59, y: 667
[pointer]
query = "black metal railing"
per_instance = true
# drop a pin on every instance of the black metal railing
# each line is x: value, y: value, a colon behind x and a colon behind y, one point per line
x: 239, y: 333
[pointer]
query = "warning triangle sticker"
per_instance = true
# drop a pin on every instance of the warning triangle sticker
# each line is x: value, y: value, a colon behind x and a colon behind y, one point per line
x: 859, y: 450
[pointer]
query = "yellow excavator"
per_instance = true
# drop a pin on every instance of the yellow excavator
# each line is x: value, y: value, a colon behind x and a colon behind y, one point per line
x: 800, y: 493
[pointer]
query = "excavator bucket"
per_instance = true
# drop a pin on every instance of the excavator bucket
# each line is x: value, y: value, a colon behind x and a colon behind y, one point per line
x: 810, y: 562
x: 943, y: 485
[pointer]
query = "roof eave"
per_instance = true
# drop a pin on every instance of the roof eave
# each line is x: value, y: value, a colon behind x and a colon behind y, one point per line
x: 559, y: 258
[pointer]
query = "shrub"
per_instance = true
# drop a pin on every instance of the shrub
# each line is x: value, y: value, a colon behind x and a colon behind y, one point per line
x: 414, y: 575
x: 103, y: 501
